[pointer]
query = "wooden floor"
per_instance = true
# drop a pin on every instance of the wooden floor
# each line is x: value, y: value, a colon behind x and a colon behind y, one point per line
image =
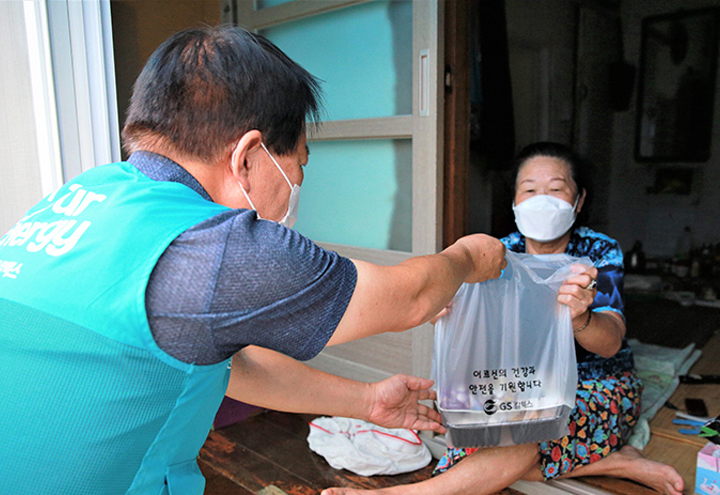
x: 268, y: 453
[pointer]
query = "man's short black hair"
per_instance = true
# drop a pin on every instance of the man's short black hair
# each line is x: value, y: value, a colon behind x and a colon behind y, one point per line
x: 203, y: 88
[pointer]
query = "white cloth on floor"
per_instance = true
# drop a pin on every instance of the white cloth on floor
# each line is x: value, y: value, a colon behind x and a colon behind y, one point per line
x: 367, y: 449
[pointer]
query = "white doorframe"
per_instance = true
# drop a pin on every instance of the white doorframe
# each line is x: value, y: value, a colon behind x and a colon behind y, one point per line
x: 428, y: 163
x: 80, y: 35
x: 43, y: 95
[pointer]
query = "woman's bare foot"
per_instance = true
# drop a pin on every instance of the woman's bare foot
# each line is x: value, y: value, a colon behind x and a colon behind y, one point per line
x: 629, y: 463
x: 660, y: 477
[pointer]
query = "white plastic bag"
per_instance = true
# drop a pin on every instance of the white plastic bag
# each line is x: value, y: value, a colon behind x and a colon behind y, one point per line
x: 504, y: 358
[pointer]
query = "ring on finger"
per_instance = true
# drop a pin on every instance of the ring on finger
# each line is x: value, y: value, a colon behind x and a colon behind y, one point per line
x: 591, y: 285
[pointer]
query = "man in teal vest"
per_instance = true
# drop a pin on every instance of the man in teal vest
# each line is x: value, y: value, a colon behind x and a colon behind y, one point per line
x: 125, y: 294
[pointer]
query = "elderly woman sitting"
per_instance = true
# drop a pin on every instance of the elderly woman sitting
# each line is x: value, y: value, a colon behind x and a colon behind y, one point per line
x: 549, y: 193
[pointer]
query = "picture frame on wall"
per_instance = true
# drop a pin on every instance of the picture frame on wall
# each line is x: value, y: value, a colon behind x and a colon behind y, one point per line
x: 675, y: 103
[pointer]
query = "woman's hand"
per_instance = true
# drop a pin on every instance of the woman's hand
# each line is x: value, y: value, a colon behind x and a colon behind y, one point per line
x: 598, y: 332
x: 578, y: 293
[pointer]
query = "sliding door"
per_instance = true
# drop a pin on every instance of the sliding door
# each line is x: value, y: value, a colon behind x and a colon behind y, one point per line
x: 372, y: 189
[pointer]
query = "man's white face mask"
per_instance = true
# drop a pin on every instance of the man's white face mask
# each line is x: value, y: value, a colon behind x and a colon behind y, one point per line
x: 291, y: 215
x: 544, y: 218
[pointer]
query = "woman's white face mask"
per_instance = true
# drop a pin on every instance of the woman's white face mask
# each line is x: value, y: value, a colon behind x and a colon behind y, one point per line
x: 291, y: 215
x: 545, y: 218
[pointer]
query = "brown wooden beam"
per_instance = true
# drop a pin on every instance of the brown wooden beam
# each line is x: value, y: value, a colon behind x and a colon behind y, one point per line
x: 457, y: 119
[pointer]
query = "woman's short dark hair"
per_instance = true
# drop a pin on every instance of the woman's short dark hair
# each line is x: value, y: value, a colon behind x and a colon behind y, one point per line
x: 203, y: 88
x: 578, y: 166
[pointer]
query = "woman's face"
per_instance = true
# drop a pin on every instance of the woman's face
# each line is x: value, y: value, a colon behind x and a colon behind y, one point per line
x: 545, y: 175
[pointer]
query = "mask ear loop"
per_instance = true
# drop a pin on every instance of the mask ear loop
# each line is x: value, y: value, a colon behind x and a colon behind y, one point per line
x: 277, y: 165
x: 249, y: 200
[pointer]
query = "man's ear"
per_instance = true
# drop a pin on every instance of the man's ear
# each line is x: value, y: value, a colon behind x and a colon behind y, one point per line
x: 244, y: 156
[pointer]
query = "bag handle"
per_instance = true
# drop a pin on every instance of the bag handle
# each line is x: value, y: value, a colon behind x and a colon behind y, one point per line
x: 529, y: 263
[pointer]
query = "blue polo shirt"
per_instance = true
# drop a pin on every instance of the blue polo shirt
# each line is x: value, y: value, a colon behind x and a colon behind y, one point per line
x: 234, y: 280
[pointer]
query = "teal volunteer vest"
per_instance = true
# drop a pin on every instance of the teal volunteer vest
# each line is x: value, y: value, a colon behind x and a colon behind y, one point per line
x: 90, y: 404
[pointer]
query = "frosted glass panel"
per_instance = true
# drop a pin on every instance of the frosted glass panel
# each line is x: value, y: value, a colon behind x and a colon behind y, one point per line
x: 363, y: 55
x: 263, y: 4
x: 358, y: 193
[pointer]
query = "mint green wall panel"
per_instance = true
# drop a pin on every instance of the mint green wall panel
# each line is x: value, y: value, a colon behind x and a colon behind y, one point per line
x: 358, y: 193
x: 362, y: 53
x: 263, y: 4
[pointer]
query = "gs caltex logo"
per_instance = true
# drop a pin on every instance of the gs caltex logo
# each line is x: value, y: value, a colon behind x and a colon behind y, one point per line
x: 490, y: 407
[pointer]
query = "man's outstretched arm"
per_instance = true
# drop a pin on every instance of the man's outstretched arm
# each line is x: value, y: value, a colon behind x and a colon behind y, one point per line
x: 272, y: 380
